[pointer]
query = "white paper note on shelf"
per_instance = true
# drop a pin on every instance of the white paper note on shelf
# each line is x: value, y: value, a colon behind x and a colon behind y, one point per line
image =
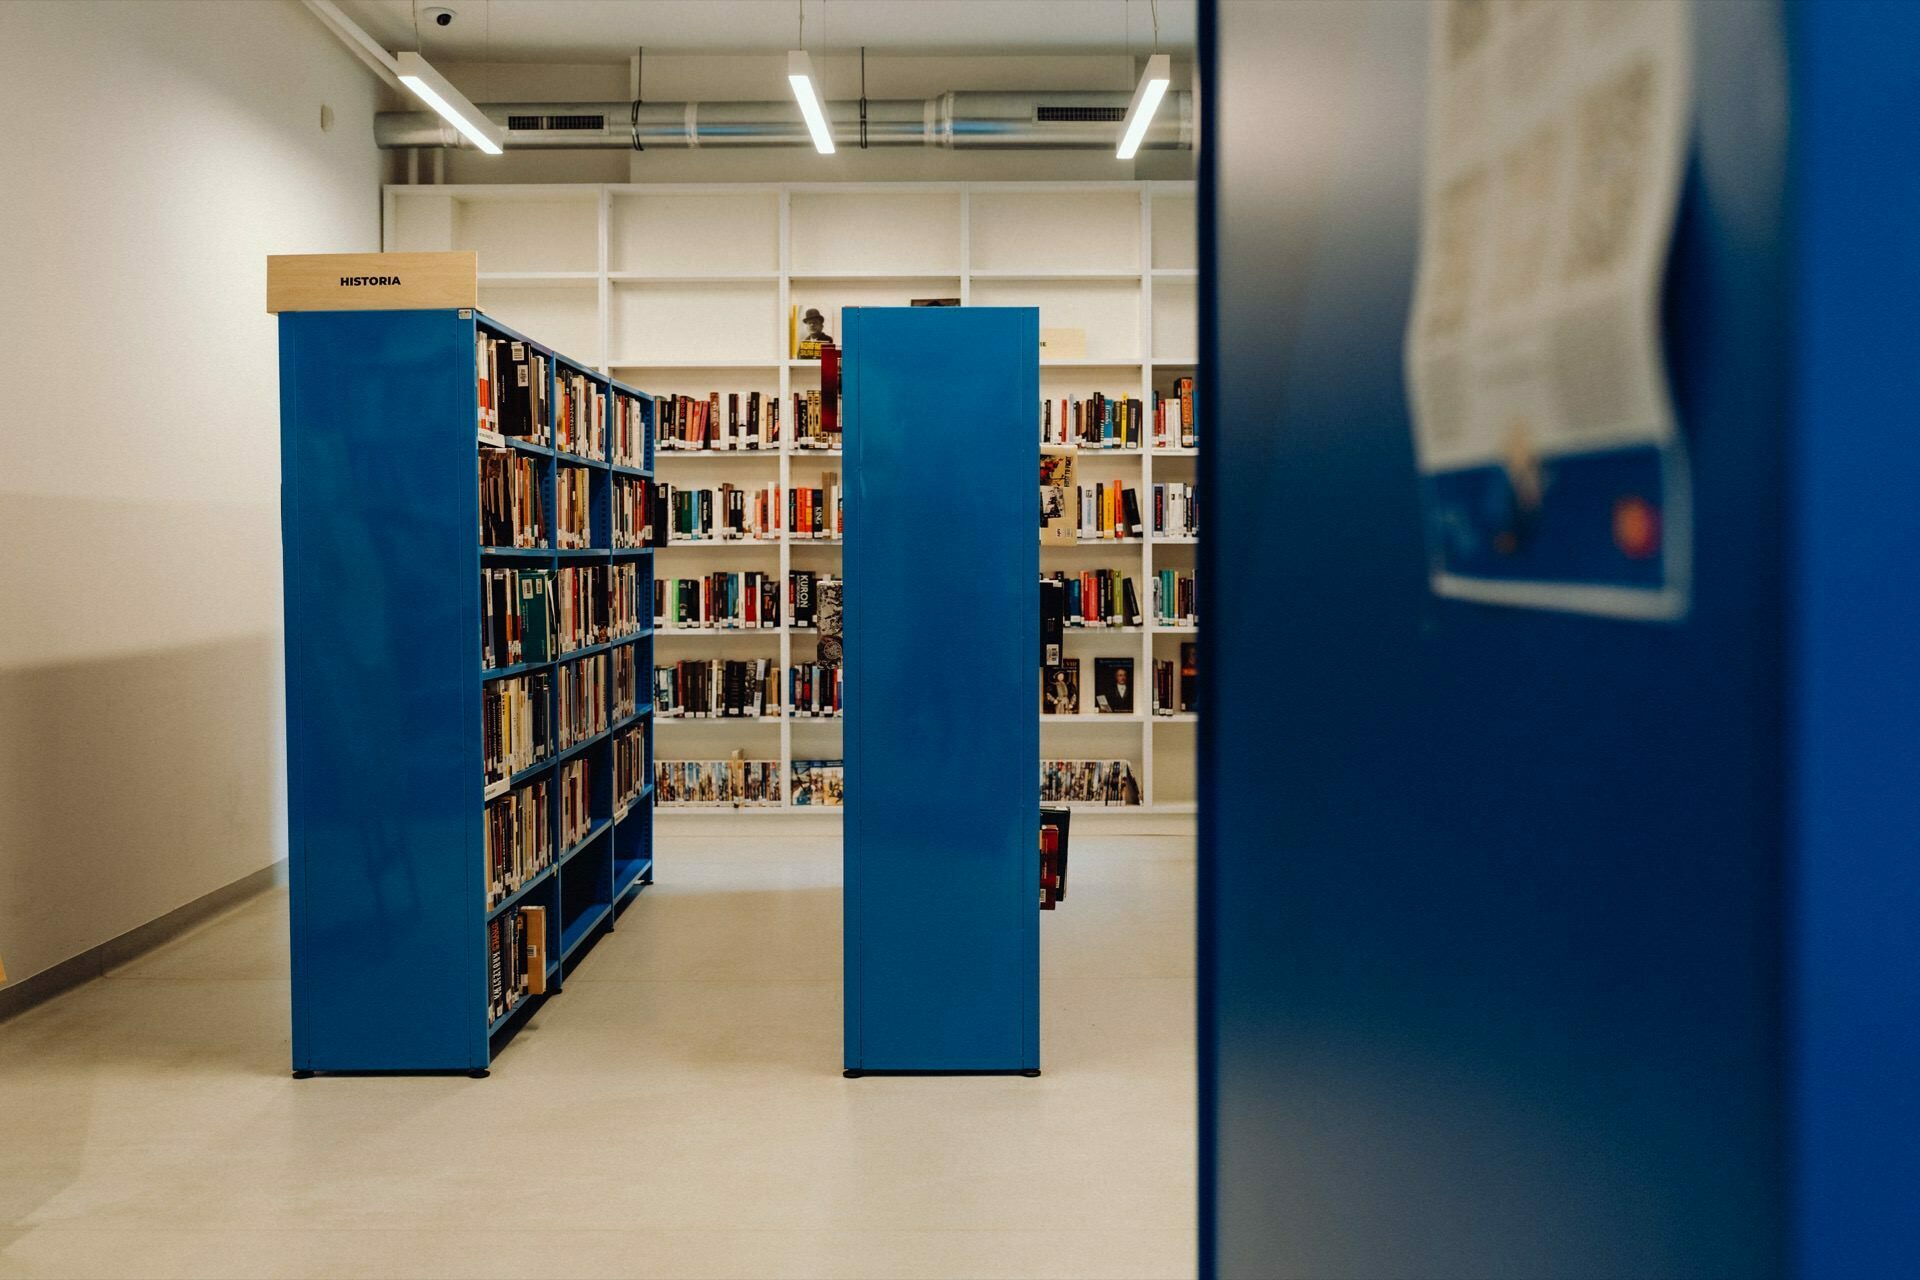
x: 1552, y: 470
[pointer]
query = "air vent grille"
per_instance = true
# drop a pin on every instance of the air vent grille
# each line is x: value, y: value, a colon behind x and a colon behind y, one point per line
x: 1063, y: 115
x: 556, y: 122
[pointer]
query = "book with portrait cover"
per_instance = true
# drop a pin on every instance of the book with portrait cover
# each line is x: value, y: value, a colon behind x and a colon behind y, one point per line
x: 1113, y: 685
x: 1060, y: 689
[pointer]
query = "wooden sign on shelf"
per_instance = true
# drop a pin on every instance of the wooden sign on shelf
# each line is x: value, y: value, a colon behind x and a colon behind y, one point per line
x: 372, y: 281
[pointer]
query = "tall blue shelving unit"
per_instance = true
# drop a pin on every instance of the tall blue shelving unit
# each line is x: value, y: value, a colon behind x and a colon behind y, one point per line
x: 942, y: 948
x: 386, y: 779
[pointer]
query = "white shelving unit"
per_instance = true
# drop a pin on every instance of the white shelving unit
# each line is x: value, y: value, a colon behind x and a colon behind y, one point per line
x: 686, y: 289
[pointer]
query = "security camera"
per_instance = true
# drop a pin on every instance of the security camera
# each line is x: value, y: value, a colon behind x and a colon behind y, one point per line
x: 444, y: 17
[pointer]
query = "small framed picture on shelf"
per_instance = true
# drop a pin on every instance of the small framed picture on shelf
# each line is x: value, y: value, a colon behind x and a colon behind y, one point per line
x: 1113, y: 685
x: 1060, y: 689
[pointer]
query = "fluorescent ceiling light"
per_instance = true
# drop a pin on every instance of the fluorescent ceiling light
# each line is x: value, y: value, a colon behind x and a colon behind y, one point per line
x: 1146, y: 101
x: 800, y: 76
x: 433, y: 89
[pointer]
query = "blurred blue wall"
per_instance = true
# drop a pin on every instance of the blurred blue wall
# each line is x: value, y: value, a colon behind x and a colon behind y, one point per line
x: 1498, y: 923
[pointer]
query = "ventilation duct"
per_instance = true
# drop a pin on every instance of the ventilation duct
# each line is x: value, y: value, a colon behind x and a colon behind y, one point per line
x: 960, y: 121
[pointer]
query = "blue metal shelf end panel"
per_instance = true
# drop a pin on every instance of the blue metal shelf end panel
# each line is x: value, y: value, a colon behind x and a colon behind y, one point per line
x: 379, y: 515
x: 942, y: 870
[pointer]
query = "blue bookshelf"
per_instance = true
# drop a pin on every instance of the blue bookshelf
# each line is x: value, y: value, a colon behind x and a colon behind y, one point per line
x: 942, y: 922
x: 387, y: 785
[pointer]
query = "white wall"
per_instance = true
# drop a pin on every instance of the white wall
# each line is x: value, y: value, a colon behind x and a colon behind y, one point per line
x: 155, y: 151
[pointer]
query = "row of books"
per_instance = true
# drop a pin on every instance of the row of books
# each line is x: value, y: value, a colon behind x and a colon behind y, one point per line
x: 815, y: 690
x: 626, y: 682
x: 1090, y: 598
x: 715, y: 688
x: 1109, y: 510
x: 573, y: 506
x: 695, y: 423
x: 1098, y: 422
x: 575, y: 781
x: 512, y: 513
x: 580, y: 710
x: 629, y: 767
x: 634, y: 513
x: 519, y: 840
x: 1176, y: 686
x: 733, y: 513
x: 1176, y: 599
x: 735, y: 782
x: 534, y: 615
x: 1088, y: 782
x: 625, y: 601
x: 741, y: 600
x: 580, y: 423
x: 819, y: 784
x: 628, y: 436
x: 813, y: 426
x: 724, y: 513
x: 512, y: 388
x: 1175, y: 425
x: 516, y: 959
x: 1176, y: 511
x: 516, y: 723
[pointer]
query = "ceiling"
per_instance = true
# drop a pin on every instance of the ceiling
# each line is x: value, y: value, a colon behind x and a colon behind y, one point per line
x: 607, y: 30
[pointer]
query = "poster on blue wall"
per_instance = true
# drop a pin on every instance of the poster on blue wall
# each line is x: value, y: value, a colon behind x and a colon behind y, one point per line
x: 1553, y: 473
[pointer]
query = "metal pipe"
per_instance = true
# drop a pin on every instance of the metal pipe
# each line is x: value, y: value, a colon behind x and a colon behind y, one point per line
x: 958, y: 121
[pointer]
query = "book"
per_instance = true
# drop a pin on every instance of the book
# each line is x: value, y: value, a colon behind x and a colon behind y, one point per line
x: 533, y: 928
x: 727, y: 601
x: 1088, y: 782
x: 1189, y: 676
x: 575, y: 786
x: 516, y: 725
x: 723, y: 513
x: 699, y: 423
x: 1055, y: 826
x: 818, y: 784
x: 624, y: 616
x: 631, y: 769
x: 1113, y: 685
x: 1099, y: 598
x: 580, y: 415
x: 1175, y: 598
x: 627, y: 431
x: 1059, y: 496
x: 579, y: 710
x: 572, y: 506
x: 1099, y: 421
x: 735, y: 782
x: 1175, y: 425
x: 626, y: 682
x: 714, y: 688
x: 828, y: 592
x: 1060, y: 689
x: 1053, y: 621
x: 518, y: 839
x: 515, y: 617
x: 578, y: 601
x: 1108, y: 509
x: 1176, y: 510
x: 635, y: 513
x: 512, y: 512
x: 814, y: 690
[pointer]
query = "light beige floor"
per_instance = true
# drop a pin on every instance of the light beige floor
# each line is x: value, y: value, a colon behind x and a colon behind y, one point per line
x: 679, y: 1111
